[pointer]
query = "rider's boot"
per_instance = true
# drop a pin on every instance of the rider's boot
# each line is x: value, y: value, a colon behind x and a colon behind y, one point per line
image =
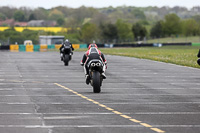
x: 61, y: 56
x: 103, y: 75
x: 87, y: 79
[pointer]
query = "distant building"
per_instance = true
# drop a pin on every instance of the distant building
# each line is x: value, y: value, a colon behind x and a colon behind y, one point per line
x: 21, y: 24
x: 51, y: 40
x: 7, y: 22
x: 42, y: 23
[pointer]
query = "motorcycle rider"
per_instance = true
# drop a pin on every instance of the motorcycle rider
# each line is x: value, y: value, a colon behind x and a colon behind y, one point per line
x: 65, y: 43
x: 93, y: 53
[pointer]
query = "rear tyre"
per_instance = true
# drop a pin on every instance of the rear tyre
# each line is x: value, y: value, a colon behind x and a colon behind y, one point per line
x: 66, y: 60
x: 96, y: 82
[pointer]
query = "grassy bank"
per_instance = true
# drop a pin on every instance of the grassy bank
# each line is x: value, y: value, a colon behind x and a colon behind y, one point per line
x: 181, y: 55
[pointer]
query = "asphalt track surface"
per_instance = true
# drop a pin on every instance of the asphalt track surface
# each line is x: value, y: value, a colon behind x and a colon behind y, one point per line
x: 38, y: 94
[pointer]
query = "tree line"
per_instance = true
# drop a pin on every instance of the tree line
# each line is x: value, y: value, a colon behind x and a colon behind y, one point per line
x: 121, y: 24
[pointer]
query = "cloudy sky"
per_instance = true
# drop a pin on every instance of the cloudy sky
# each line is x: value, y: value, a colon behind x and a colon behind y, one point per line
x: 98, y: 3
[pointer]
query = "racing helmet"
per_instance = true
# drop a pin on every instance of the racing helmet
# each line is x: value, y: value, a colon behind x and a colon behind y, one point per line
x: 92, y: 45
x: 66, y: 42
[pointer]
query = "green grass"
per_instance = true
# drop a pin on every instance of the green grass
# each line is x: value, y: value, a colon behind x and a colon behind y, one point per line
x: 181, y: 55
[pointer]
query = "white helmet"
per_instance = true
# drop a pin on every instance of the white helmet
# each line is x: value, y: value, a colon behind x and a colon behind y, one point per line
x: 67, y: 40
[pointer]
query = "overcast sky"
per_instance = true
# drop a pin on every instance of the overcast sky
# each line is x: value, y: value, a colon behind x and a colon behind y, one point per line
x: 98, y: 3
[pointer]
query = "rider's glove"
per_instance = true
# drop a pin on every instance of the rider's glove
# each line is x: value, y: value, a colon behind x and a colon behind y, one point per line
x: 105, y: 63
x: 81, y: 63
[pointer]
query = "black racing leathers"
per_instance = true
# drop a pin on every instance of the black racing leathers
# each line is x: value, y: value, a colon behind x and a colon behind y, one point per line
x: 90, y: 55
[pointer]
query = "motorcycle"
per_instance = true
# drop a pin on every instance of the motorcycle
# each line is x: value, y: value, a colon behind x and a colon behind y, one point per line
x: 67, y: 55
x: 95, y: 68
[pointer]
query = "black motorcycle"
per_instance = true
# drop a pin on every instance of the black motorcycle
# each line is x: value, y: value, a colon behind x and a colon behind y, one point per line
x: 95, y: 69
x: 67, y: 54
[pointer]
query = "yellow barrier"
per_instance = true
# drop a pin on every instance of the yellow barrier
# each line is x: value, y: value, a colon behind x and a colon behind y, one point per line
x: 14, y: 48
x: 76, y: 46
x: 43, y: 48
x: 29, y: 48
x: 58, y: 46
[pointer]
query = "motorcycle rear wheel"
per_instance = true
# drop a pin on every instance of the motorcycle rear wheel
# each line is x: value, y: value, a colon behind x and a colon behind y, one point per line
x: 96, y: 82
x: 66, y: 60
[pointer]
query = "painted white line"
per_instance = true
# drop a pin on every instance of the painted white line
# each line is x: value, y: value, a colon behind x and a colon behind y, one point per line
x: 123, y: 94
x: 6, y: 89
x: 153, y: 103
x: 132, y: 103
x: 66, y: 126
x: 64, y: 117
x: 104, y: 95
x: 136, y: 113
x: 178, y: 126
x: 150, y: 88
x: 58, y: 113
x: 38, y: 95
x: 166, y: 113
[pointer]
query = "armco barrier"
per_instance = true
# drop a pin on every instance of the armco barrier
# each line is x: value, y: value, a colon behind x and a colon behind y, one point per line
x: 57, y: 46
x: 151, y: 44
x: 36, y: 48
x: 51, y: 46
x: 29, y: 48
x: 4, y: 47
x: 22, y: 48
x: 76, y: 46
x: 83, y: 46
x: 43, y: 47
x: 177, y: 44
x: 100, y: 45
x: 14, y: 47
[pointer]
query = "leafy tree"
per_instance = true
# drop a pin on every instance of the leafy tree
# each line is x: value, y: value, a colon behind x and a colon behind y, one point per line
x: 109, y: 31
x: 156, y: 30
x: 89, y: 32
x: 124, y: 30
x: 83, y: 12
x: 19, y: 16
x: 197, y: 18
x: 71, y: 23
x: 139, y: 31
x: 32, y: 17
x: 138, y: 14
x: 190, y: 27
x: 171, y: 25
x: 55, y: 14
x: 99, y: 18
x: 8, y: 11
x: 2, y: 16
x: 60, y: 21
x: 41, y: 13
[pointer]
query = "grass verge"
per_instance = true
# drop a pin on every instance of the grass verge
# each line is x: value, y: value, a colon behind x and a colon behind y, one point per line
x: 180, y: 55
